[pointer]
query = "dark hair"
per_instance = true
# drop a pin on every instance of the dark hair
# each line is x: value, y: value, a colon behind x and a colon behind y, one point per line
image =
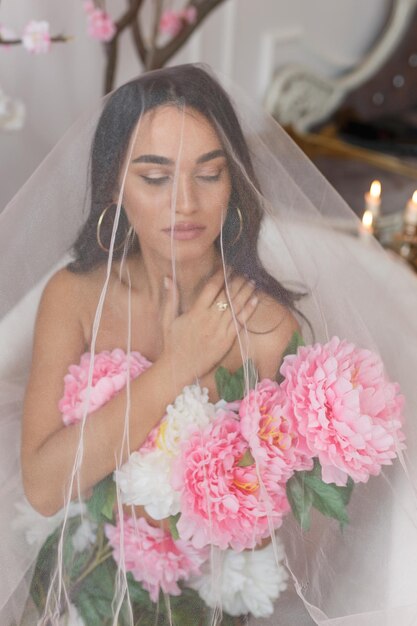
x: 191, y: 86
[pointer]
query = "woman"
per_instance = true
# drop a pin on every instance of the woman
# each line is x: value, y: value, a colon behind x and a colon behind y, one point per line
x: 166, y: 269
x: 177, y: 198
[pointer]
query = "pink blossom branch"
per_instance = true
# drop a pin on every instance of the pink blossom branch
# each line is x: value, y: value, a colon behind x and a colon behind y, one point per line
x: 16, y: 42
x: 157, y: 57
x: 162, y: 55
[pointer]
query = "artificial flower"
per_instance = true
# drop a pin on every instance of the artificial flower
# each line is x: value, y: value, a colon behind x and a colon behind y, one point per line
x: 100, y: 26
x: 248, y: 581
x: 172, y: 22
x: 153, y: 557
x: 110, y: 372
x: 222, y: 503
x: 145, y: 479
x: 346, y: 408
x: 272, y: 434
x: 71, y: 617
x: 36, y: 38
x: 191, y: 409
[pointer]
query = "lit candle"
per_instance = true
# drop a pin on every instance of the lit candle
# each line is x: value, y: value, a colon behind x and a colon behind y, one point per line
x: 367, y: 226
x: 373, y: 199
x: 410, y: 215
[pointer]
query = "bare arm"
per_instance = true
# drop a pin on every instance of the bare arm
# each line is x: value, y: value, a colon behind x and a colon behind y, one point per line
x: 49, y: 448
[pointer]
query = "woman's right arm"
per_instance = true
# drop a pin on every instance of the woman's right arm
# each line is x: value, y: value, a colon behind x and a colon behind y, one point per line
x: 49, y: 448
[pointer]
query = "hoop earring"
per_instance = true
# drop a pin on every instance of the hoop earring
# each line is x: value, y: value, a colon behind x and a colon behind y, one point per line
x: 240, y: 216
x: 98, y: 235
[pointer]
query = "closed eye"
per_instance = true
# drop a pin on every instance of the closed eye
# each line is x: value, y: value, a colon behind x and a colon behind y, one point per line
x: 210, y: 178
x: 155, y: 180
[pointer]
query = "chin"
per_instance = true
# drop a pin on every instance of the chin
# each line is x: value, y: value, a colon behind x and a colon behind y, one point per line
x: 190, y: 252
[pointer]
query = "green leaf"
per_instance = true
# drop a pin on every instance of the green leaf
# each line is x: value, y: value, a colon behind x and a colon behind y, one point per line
x: 137, y: 593
x: 328, y: 498
x: 232, y: 386
x: 300, y: 498
x: 246, y: 460
x: 307, y: 489
x: 101, y: 504
x: 95, y: 595
x: 295, y: 342
x: 172, y: 521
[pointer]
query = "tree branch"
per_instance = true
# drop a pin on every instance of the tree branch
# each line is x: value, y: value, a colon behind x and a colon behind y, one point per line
x: 129, y: 16
x: 138, y: 39
x: 17, y: 42
x: 111, y: 47
x: 152, y: 48
x: 162, y: 55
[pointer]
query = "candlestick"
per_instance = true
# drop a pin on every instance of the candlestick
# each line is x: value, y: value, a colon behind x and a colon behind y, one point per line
x: 373, y: 199
x: 367, y: 229
x: 410, y: 216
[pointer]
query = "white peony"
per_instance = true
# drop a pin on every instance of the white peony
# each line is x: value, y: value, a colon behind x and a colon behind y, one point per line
x: 145, y: 480
x: 249, y: 582
x: 72, y: 618
x: 37, y: 527
x: 85, y: 535
x: 191, y: 409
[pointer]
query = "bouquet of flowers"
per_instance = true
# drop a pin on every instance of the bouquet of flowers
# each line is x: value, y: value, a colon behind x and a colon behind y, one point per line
x: 222, y: 477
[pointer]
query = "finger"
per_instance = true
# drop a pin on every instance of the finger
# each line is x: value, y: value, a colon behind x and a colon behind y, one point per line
x: 233, y: 285
x: 240, y: 298
x: 247, y: 311
x: 210, y: 292
x: 222, y: 305
x: 170, y: 303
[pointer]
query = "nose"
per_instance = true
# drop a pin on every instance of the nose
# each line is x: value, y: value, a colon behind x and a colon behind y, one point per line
x: 185, y: 201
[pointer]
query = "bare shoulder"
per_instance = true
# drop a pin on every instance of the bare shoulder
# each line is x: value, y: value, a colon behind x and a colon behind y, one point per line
x: 65, y: 305
x: 67, y: 285
x: 270, y: 329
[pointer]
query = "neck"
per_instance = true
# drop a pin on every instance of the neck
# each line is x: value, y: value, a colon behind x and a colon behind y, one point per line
x: 150, y: 271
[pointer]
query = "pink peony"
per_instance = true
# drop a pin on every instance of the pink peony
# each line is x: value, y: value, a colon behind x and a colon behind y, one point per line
x: 155, y: 559
x: 345, y: 407
x: 222, y: 503
x: 36, y: 38
x: 272, y: 435
x: 99, y: 23
x: 110, y: 374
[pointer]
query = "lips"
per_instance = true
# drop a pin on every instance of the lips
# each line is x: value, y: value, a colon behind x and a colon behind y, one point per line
x: 185, y: 230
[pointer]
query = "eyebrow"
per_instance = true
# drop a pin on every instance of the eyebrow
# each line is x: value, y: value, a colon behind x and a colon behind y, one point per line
x: 160, y: 160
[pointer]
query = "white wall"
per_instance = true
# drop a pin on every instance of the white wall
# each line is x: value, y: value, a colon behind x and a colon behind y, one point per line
x: 244, y: 39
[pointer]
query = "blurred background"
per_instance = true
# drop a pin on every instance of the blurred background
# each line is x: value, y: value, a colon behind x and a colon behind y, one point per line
x: 340, y: 76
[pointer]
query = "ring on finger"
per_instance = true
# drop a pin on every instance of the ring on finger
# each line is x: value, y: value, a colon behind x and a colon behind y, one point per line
x: 222, y: 306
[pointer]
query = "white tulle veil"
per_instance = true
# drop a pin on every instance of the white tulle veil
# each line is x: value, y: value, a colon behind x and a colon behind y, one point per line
x: 367, y: 573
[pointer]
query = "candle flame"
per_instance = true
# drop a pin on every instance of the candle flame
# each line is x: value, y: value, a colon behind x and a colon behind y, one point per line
x: 375, y: 190
x: 414, y: 198
x: 367, y: 219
